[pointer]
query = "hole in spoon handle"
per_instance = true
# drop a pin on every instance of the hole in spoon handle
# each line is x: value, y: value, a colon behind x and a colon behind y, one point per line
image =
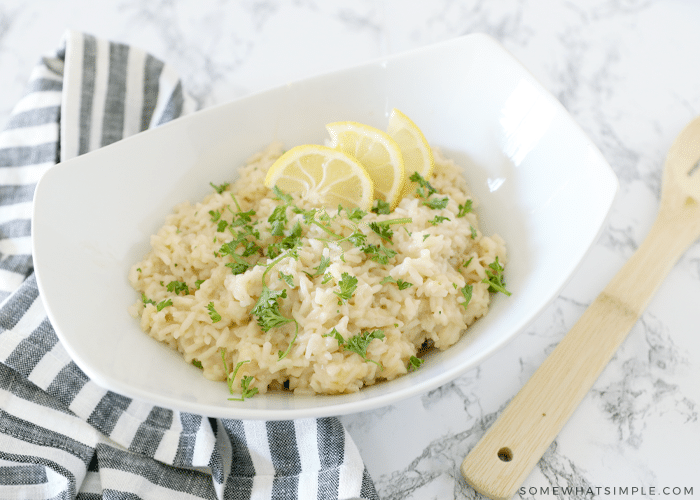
x: 505, y: 454
x: 497, y: 470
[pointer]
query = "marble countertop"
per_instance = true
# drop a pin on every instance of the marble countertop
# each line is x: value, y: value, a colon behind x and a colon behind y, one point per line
x: 628, y: 73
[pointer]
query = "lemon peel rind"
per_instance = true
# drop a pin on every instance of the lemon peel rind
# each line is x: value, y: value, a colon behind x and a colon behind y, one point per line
x: 399, y: 121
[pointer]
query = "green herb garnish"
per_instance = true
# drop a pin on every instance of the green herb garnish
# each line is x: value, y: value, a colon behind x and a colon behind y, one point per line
x: 382, y: 230
x: 337, y: 336
x: 163, y: 304
x: 358, y: 343
x: 495, y: 278
x: 355, y: 214
x: 379, y: 253
x: 464, y: 209
x: 215, y: 316
x: 438, y: 219
x: 178, y: 287
x: 348, y: 285
x: 467, y: 293
x: 437, y: 203
x: 414, y: 363
x: 220, y: 188
x: 323, y: 265
x: 287, y: 278
x: 400, y: 283
x: 246, y: 391
x: 381, y: 207
x: 424, y: 189
x: 267, y: 309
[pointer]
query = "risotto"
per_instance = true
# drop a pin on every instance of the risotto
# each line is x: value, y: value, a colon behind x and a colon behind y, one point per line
x: 262, y: 290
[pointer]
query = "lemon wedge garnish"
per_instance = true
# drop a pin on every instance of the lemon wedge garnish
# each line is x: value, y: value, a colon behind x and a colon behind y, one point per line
x: 324, y: 176
x: 417, y: 155
x: 377, y: 152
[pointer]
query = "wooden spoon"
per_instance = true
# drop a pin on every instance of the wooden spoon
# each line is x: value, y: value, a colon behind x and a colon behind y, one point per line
x: 505, y: 455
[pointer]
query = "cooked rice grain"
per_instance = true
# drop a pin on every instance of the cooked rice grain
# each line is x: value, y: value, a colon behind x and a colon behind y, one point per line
x: 430, y: 256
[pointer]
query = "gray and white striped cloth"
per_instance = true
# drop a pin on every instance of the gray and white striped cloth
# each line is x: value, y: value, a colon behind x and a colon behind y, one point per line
x: 61, y: 435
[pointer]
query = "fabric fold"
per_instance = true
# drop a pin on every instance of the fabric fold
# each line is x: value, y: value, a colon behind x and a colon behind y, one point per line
x: 63, y: 436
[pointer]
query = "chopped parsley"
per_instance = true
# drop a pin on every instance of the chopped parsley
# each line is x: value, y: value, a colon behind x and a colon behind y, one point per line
x: 246, y: 390
x: 323, y: 265
x: 163, y: 304
x: 221, y: 226
x: 178, y: 287
x: 357, y: 238
x: 197, y: 363
x: 220, y: 188
x: 249, y: 248
x: 467, y: 293
x: 215, y: 316
x: 215, y: 215
x: 495, y: 278
x: 336, y: 335
x: 464, y: 209
x: 382, y: 230
x: 267, y: 308
x: 348, y: 285
x: 437, y: 203
x: 159, y: 306
x: 399, y: 283
x: 358, y: 343
x: 278, y: 218
x: 291, y: 240
x: 414, y: 363
x: 424, y: 189
x: 438, y: 219
x: 381, y: 207
x: 379, y: 253
x: 356, y: 214
x: 287, y: 278
x: 238, y: 267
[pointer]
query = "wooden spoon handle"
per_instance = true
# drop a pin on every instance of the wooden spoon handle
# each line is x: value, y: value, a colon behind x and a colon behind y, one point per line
x: 505, y: 455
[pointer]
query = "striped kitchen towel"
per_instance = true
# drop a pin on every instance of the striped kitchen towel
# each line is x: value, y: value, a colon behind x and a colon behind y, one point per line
x: 61, y: 435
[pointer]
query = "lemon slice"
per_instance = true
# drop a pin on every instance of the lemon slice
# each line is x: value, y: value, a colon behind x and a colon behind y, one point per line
x: 378, y: 153
x: 417, y: 155
x: 324, y: 176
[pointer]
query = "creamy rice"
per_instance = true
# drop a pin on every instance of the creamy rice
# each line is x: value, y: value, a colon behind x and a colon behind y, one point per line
x: 430, y: 256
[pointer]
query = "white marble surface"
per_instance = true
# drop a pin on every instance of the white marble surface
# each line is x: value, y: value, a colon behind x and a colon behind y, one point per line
x: 629, y: 73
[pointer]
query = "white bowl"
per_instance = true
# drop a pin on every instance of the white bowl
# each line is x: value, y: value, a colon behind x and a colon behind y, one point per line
x: 542, y: 185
